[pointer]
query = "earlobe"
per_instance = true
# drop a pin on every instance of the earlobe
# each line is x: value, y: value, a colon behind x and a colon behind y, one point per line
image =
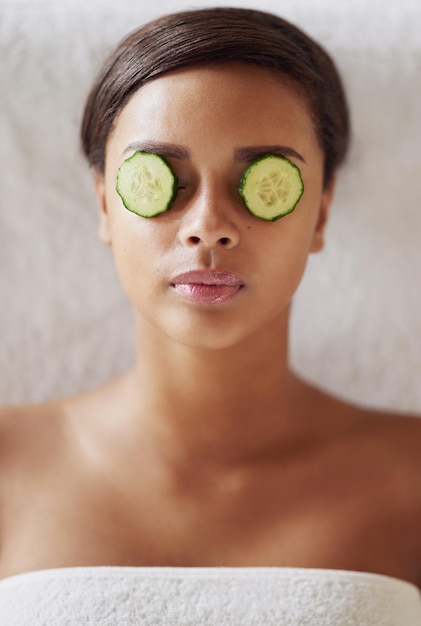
x: 322, y: 218
x: 104, y: 231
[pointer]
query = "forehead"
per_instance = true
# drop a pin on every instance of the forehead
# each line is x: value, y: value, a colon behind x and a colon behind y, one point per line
x: 216, y: 105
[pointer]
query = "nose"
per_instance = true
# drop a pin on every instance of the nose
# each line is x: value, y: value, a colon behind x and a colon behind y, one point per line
x: 210, y: 221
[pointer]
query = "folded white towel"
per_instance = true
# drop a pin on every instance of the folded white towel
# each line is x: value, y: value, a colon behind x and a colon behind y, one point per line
x: 203, y: 596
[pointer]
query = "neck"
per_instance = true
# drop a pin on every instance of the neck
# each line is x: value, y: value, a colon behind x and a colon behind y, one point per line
x: 214, y: 407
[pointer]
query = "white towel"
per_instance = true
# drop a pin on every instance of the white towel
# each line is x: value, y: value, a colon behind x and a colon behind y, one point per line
x: 203, y: 596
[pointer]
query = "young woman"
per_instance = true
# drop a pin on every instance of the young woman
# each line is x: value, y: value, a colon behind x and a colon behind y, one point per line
x: 210, y: 451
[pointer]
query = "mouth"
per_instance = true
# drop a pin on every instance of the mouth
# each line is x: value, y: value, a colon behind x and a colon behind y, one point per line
x: 207, y: 287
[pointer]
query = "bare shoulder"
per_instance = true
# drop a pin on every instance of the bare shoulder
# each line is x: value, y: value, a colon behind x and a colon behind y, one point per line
x: 46, y: 432
x: 400, y: 432
x: 12, y: 423
x: 383, y: 448
x: 31, y: 442
x: 395, y: 443
x: 26, y: 432
x: 394, y: 440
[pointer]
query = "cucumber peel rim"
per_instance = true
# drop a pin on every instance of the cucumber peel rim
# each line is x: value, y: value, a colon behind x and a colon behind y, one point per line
x: 146, y: 184
x: 271, y: 187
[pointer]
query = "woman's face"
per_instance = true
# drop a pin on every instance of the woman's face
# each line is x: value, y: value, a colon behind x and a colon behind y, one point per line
x: 210, y: 123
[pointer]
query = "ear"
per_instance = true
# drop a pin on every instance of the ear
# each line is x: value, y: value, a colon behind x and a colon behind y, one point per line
x: 104, y: 231
x: 322, y: 218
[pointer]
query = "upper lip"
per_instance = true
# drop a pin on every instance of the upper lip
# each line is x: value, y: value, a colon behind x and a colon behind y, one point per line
x: 209, y: 277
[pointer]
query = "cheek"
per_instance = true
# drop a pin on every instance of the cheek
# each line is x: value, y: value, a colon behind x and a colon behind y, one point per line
x: 284, y: 255
x: 131, y: 251
x: 141, y: 249
x: 288, y: 263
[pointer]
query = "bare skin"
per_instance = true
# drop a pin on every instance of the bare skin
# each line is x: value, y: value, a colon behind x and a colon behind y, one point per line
x: 78, y: 491
x: 210, y: 451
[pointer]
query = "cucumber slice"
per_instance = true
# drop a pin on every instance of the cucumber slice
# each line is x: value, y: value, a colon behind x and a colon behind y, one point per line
x: 146, y: 184
x: 271, y: 187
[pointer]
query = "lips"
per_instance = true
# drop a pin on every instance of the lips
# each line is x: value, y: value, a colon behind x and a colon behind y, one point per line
x: 207, y: 287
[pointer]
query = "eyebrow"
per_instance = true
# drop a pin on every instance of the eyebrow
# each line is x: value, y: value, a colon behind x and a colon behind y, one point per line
x: 168, y: 150
x: 243, y: 154
x: 249, y: 153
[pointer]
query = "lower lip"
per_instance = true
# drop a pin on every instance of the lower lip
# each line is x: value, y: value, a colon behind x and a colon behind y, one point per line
x: 206, y: 294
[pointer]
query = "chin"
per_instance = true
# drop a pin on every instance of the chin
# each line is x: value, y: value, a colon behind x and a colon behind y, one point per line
x: 208, y: 338
x: 225, y: 332
x: 213, y: 329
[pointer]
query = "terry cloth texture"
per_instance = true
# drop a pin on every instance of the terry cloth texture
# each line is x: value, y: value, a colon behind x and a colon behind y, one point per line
x: 166, y: 596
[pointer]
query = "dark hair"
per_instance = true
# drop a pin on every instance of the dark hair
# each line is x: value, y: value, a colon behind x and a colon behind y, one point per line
x: 211, y: 36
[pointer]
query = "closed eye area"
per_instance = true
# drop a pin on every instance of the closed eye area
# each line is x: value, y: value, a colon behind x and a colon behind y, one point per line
x: 274, y: 191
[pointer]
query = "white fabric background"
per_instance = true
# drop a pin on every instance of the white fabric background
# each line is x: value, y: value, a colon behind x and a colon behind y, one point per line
x: 65, y: 323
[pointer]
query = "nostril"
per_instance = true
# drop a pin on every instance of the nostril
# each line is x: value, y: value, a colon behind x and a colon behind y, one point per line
x: 223, y: 241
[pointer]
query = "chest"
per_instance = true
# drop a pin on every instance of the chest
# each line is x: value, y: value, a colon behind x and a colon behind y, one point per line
x: 324, y: 522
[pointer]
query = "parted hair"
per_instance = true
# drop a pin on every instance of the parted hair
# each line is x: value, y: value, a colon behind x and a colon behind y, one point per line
x: 212, y: 36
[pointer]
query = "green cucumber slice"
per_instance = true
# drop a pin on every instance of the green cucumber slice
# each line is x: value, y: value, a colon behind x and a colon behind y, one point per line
x: 271, y: 187
x: 146, y: 184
